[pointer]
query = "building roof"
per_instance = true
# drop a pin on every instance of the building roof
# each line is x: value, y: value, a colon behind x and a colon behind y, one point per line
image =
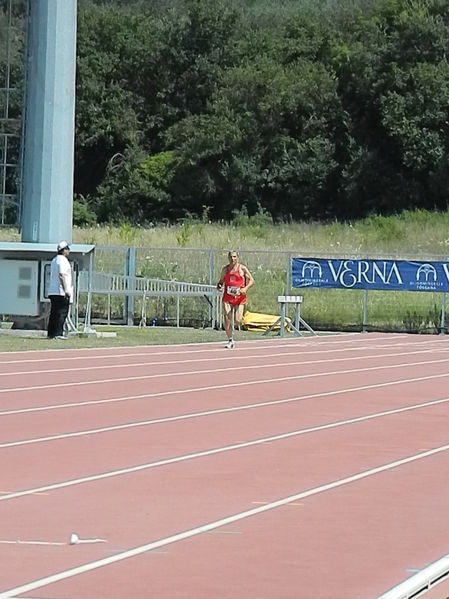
x: 20, y: 249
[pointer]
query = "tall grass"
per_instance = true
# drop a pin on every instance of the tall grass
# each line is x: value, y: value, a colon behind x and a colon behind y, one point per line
x: 415, y: 233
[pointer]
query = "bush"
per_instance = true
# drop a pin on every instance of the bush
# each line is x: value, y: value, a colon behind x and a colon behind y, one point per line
x: 83, y: 216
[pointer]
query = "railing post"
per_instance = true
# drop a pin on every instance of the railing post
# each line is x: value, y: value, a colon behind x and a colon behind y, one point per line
x: 365, y: 309
x: 443, y: 310
x: 211, y: 282
x: 88, y: 318
x: 130, y: 273
x: 282, y: 319
x: 288, y: 281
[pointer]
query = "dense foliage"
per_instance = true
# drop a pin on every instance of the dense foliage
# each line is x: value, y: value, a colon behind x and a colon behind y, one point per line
x: 299, y: 109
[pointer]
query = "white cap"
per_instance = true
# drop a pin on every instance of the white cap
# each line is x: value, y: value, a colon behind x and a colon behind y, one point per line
x: 62, y: 245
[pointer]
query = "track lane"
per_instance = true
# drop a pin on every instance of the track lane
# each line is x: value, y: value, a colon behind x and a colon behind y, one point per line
x: 22, y: 423
x: 430, y: 418
x: 291, y: 546
x: 197, y: 433
x: 14, y: 396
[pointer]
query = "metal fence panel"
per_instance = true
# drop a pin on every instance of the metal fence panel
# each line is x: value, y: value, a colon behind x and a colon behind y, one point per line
x: 323, y: 309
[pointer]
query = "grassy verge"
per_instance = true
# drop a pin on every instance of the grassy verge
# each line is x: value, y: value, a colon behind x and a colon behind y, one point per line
x: 126, y: 336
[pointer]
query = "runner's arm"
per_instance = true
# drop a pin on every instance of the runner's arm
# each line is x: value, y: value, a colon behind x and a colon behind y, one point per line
x: 249, y: 281
x: 222, y: 276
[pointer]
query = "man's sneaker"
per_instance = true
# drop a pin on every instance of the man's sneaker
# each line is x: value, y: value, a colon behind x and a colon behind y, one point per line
x: 229, y: 344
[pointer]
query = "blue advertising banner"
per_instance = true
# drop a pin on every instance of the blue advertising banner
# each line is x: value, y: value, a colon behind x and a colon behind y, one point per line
x: 391, y: 275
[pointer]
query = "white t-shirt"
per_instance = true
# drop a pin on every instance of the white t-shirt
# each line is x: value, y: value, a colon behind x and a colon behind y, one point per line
x: 60, y: 265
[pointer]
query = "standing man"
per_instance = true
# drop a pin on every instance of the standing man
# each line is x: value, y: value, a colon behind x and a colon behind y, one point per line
x: 60, y: 291
x: 235, y: 280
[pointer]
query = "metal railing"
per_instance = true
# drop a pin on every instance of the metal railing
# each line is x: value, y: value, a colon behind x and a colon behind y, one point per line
x: 126, y: 287
x: 324, y: 309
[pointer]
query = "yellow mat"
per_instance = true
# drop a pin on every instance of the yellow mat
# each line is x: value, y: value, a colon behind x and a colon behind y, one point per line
x: 253, y: 321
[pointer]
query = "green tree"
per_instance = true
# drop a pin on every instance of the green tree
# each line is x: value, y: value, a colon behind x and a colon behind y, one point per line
x: 304, y: 109
x: 199, y: 44
x: 136, y: 187
x: 268, y: 140
x: 109, y: 104
x: 392, y: 75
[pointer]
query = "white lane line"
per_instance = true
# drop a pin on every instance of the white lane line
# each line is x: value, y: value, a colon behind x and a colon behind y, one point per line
x: 193, y: 390
x: 256, y: 405
x: 222, y: 357
x: 208, y: 350
x: 207, y: 359
x: 141, y: 354
x: 332, y: 339
x: 265, y: 502
x: 192, y: 532
x: 206, y: 346
x: 384, y: 341
x: 216, y: 451
x: 196, y: 373
x: 8, y: 492
x: 74, y: 540
x: 149, y: 363
x: 225, y: 358
x: 19, y: 542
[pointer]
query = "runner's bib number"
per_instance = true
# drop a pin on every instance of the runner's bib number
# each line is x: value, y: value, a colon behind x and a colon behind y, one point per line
x: 232, y: 290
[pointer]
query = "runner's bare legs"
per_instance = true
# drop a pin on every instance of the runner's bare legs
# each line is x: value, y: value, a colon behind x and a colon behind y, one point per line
x: 238, y: 315
x: 228, y: 316
x: 233, y: 316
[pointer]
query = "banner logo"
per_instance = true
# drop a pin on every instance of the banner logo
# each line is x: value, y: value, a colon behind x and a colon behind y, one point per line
x: 312, y: 267
x: 426, y: 270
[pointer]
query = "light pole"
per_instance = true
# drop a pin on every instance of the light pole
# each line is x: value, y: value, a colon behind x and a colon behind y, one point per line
x: 47, y: 184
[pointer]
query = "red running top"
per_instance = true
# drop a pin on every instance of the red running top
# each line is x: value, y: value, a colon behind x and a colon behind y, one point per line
x: 233, y: 281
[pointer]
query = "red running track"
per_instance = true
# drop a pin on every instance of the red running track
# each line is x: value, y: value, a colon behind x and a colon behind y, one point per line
x: 311, y: 468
